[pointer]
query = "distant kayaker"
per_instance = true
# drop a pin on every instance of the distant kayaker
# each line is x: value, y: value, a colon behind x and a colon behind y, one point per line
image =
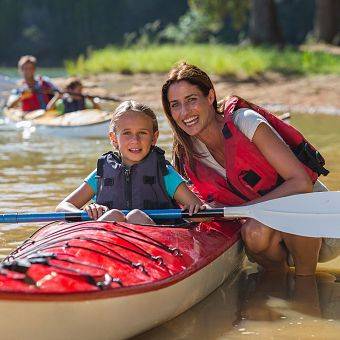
x: 136, y: 177
x: 34, y: 92
x: 234, y: 156
x: 72, y: 99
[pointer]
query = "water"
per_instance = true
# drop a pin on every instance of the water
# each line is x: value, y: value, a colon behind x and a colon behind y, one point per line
x: 38, y: 172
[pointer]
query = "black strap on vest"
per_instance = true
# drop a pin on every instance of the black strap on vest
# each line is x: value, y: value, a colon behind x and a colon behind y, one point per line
x: 226, y: 131
x: 161, y: 160
x: 311, y: 158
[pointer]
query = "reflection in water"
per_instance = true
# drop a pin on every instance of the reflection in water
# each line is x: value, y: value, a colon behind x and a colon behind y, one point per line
x: 257, y: 304
x: 212, y: 318
x: 281, y: 305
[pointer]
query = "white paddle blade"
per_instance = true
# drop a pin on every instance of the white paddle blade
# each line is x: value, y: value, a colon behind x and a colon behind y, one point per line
x: 313, y: 214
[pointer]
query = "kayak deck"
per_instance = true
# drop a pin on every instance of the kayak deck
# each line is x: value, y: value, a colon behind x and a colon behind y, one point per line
x: 118, y: 257
x: 53, y: 118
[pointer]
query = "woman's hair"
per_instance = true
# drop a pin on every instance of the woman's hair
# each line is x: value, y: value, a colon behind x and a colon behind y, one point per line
x: 131, y: 105
x: 182, y: 145
x: 72, y: 83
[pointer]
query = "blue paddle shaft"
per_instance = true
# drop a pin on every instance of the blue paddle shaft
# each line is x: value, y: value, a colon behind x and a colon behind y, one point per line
x: 164, y: 214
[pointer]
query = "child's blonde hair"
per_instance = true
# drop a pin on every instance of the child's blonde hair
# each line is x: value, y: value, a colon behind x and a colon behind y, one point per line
x: 132, y: 105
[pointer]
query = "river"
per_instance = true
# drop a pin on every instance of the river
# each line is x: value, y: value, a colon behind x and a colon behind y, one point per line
x: 37, y: 172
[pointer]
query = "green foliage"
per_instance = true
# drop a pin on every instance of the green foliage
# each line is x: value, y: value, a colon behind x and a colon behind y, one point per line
x: 205, y: 19
x: 228, y: 60
x: 218, y: 10
x: 192, y: 27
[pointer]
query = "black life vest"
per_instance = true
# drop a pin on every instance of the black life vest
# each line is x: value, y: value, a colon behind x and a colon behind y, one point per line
x: 140, y: 186
x: 71, y: 105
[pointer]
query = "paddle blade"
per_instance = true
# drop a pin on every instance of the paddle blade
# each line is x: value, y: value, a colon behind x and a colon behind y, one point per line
x: 313, y: 214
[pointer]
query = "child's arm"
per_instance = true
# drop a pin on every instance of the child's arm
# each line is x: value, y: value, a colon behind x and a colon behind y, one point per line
x: 94, y: 103
x: 184, y: 196
x: 51, y: 104
x: 78, y: 198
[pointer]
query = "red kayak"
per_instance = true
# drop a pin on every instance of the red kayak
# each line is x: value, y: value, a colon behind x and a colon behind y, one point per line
x: 101, y: 280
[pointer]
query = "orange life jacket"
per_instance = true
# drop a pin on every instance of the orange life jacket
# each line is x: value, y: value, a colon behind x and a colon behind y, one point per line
x: 39, y: 97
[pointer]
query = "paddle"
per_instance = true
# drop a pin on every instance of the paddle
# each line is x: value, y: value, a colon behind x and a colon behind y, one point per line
x: 312, y: 214
x: 112, y: 98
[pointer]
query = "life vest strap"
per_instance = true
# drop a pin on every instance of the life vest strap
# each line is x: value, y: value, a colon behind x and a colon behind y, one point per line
x: 311, y: 158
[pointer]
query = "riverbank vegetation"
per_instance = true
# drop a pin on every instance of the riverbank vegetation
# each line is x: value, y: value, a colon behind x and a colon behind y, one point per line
x: 226, y: 60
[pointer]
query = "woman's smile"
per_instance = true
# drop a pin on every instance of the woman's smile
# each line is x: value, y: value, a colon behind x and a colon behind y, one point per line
x: 191, y: 121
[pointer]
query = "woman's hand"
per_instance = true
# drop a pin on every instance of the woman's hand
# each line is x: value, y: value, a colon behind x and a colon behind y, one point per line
x: 96, y: 210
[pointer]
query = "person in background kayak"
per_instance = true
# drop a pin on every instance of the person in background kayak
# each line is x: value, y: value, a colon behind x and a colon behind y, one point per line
x: 236, y: 157
x: 72, y: 99
x: 136, y: 177
x: 34, y: 92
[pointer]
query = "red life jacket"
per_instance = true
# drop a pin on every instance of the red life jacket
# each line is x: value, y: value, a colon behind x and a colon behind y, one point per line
x: 39, y: 97
x: 249, y: 174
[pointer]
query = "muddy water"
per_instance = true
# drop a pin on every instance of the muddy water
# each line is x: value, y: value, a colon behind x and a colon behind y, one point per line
x: 36, y: 172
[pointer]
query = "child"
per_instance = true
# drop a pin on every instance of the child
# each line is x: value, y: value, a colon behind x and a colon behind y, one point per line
x: 72, y: 100
x: 34, y: 92
x: 138, y: 177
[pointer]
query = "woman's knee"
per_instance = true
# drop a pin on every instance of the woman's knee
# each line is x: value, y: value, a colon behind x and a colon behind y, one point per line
x: 256, y: 236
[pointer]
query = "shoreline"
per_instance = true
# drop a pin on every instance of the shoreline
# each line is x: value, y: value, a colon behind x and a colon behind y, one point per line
x: 317, y: 94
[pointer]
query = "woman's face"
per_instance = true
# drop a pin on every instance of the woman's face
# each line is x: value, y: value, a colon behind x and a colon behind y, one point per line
x: 190, y: 108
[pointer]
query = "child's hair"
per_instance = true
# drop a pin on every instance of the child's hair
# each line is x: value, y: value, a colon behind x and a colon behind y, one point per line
x: 73, y: 83
x: 131, y: 105
x: 26, y: 59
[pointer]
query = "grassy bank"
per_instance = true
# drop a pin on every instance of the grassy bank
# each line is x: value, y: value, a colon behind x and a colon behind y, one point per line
x: 216, y: 59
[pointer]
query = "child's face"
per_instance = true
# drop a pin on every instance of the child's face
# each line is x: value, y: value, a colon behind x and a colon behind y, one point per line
x: 133, y: 136
x: 28, y: 70
x: 76, y: 92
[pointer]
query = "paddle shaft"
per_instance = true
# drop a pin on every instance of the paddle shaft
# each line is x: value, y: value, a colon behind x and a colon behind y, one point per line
x: 112, y: 98
x: 311, y: 215
x: 83, y: 216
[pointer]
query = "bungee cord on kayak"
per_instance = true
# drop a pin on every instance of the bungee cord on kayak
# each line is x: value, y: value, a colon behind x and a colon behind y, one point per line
x: 58, y: 250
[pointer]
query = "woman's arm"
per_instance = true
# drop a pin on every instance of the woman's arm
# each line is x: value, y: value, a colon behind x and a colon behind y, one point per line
x: 284, y: 162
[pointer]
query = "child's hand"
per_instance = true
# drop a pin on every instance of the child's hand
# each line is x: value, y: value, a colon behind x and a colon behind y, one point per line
x: 96, y: 210
x: 194, y: 208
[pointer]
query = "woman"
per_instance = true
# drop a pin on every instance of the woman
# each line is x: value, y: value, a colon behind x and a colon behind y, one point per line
x: 216, y: 150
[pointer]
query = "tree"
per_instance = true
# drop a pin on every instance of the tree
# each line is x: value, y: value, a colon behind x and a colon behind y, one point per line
x: 263, y: 23
x: 327, y: 21
x: 218, y: 10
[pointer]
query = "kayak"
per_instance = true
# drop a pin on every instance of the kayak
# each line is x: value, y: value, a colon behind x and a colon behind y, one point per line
x: 107, y: 280
x: 84, y: 123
